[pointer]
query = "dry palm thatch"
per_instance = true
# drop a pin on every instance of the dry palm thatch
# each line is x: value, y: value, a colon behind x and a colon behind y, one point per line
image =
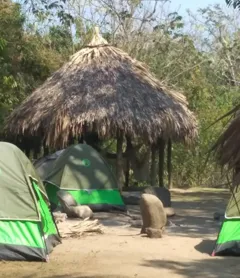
x: 72, y: 229
x: 104, y: 88
x: 227, y: 146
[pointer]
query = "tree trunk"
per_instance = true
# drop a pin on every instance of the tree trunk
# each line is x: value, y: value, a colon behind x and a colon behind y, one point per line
x: 119, y: 159
x: 154, y: 165
x: 169, y: 163
x: 161, y: 162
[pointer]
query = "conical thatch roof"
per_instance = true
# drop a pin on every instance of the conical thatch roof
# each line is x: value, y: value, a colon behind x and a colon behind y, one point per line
x: 227, y: 146
x: 105, y: 88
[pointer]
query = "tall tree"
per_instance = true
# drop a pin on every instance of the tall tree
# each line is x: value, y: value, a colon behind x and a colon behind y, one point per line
x: 234, y: 3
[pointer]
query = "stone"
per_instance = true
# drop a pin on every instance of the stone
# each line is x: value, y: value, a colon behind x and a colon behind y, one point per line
x: 67, y: 201
x: 59, y: 217
x: 82, y: 212
x: 154, y: 233
x: 152, y: 212
x: 162, y: 193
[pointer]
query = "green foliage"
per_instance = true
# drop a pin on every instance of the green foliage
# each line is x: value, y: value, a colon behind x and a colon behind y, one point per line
x: 26, y: 59
x: 204, y: 67
x: 234, y: 3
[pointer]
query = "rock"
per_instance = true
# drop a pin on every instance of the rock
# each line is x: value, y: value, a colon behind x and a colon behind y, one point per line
x: 169, y: 212
x: 82, y: 212
x: 162, y: 193
x: 154, y: 233
x: 152, y: 211
x: 67, y: 201
x: 59, y: 217
x: 71, y: 208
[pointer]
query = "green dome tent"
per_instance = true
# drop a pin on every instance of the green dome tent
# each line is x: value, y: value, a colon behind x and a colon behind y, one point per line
x: 27, y: 228
x: 228, y: 241
x: 44, y: 165
x: 81, y: 171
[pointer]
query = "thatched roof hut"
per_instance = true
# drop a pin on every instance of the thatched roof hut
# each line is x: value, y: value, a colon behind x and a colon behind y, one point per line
x: 227, y: 146
x: 104, y: 88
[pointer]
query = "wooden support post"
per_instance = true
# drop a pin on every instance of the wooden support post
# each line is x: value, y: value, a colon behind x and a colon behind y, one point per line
x: 27, y: 146
x: 36, y: 146
x: 169, y: 163
x: 154, y: 165
x: 161, y: 162
x: 119, y: 159
x: 45, y: 149
x: 127, y: 173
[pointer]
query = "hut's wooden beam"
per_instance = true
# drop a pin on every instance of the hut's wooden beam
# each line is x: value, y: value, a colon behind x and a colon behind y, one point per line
x: 154, y: 165
x: 45, y: 149
x: 161, y: 162
x: 127, y: 173
x: 120, y: 139
x: 169, y: 163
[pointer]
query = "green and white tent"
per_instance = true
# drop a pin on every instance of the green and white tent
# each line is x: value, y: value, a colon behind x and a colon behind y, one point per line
x: 228, y: 241
x: 27, y: 229
x: 81, y: 171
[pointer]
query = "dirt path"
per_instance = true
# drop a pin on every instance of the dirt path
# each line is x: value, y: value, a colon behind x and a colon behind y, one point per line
x: 122, y: 252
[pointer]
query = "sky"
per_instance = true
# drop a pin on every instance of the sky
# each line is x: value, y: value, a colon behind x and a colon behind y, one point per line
x: 182, y: 5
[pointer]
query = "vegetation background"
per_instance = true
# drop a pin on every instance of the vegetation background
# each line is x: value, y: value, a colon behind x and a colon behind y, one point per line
x: 199, y: 54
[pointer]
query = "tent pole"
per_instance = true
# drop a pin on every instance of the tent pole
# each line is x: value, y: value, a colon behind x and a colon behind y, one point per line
x: 161, y: 162
x: 120, y: 139
x: 169, y: 163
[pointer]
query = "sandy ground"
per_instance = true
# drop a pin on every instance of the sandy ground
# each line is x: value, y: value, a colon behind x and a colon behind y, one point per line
x: 121, y: 252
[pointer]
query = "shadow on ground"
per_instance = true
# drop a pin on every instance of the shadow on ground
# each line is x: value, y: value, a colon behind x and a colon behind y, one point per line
x: 206, y: 246
x: 210, y: 268
x: 194, y: 214
x: 79, y: 276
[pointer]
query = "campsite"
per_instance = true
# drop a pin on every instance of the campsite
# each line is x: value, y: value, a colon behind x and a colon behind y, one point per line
x: 121, y: 252
x: 119, y: 139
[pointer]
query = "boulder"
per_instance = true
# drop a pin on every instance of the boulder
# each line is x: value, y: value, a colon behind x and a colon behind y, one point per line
x: 162, y: 193
x: 82, y: 212
x: 153, y: 215
x: 67, y: 201
x: 154, y: 233
x: 71, y: 208
x: 59, y: 217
